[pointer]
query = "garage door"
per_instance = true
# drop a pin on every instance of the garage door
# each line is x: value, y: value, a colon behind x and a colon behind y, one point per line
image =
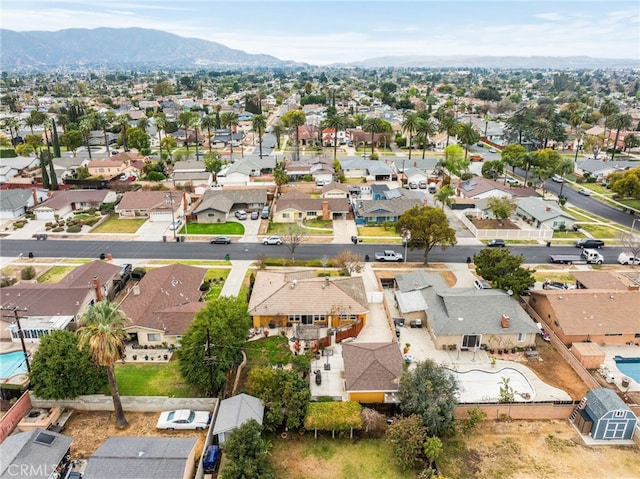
x: 161, y: 217
x: 45, y: 215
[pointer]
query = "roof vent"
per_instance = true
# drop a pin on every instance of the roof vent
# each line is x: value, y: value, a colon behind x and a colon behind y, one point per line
x: 136, y: 290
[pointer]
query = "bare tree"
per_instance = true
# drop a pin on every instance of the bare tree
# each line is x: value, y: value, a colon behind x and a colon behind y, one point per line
x: 294, y: 236
x: 374, y: 424
x: 349, y: 262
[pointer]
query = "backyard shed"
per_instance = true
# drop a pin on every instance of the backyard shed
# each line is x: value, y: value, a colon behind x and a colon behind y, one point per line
x: 589, y: 354
x: 234, y: 412
x: 612, y: 418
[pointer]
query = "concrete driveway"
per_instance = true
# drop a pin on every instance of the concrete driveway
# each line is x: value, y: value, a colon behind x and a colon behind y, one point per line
x: 343, y: 230
x: 154, y: 231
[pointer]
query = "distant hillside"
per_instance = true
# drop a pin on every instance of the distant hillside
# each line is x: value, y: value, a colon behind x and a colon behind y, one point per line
x: 471, y: 61
x: 109, y: 47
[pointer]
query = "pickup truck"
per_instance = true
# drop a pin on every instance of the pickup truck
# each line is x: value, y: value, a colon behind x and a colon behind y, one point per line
x: 588, y: 256
x: 389, y: 255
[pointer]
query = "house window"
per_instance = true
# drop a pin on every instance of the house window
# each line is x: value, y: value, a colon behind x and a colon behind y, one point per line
x: 285, y: 215
x: 619, y: 413
x: 211, y: 215
x: 613, y: 334
x: 312, y: 213
x: 521, y: 337
x: 153, y: 337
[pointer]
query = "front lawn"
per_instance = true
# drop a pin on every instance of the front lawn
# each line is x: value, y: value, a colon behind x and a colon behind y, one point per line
x: 376, y: 231
x: 229, y: 228
x: 55, y: 274
x: 217, y: 277
x: 326, y: 458
x: 283, y: 229
x: 114, y: 224
x: 600, y: 231
x: 153, y: 379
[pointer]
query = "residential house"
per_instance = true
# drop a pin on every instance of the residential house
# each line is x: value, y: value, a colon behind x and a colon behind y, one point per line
x: 107, y: 168
x: 427, y: 165
x: 441, y: 140
x: 370, y: 169
x: 329, y: 135
x: 372, y: 371
x: 162, y: 305
x: 382, y: 211
x: 38, y: 454
x: 15, y: 203
x: 243, y: 170
x: 215, y: 205
x: 479, y: 188
x: 600, y: 169
x: 10, y: 167
x: 604, y: 313
x: 234, y: 412
x: 603, y: 415
x: 63, y: 202
x: 297, y: 206
x: 284, y: 298
x: 67, y: 167
x: 51, y: 307
x: 468, y: 318
x: 335, y: 190
x: 192, y: 172
x: 155, y: 205
x: 6, y: 173
x: 145, y: 457
x: 540, y: 212
x: 415, y: 175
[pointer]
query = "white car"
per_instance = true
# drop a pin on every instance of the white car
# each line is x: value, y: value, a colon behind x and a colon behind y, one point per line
x: 184, y: 419
x: 624, y: 258
x: 273, y: 240
x: 557, y: 179
x: 175, y: 225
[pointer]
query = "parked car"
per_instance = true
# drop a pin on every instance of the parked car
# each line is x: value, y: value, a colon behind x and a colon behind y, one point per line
x: 221, y: 240
x: 184, y: 419
x: 476, y: 158
x: 175, y: 225
x: 241, y: 214
x: 557, y: 179
x: 277, y: 240
x: 496, y: 243
x: 584, y: 192
x: 512, y: 181
x: 589, y: 243
x: 255, y: 215
x: 415, y: 323
x: 548, y: 284
x: 481, y: 284
x: 422, y: 185
x: 413, y: 185
x: 493, y: 150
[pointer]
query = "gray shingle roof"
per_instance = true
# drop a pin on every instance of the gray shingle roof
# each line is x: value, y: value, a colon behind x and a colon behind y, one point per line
x: 24, y: 448
x: 223, y: 200
x: 542, y: 210
x: 11, y: 200
x: 603, y: 400
x: 237, y: 410
x: 392, y: 207
x: 140, y: 458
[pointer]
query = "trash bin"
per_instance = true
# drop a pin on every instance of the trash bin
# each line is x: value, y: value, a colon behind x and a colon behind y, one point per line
x: 468, y: 259
x: 548, y: 244
x: 30, y: 255
x: 366, y: 258
x: 164, y: 239
x: 226, y: 257
x: 103, y: 256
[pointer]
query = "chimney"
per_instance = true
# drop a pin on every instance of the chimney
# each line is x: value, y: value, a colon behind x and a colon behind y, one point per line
x: 547, y: 209
x: 35, y: 196
x: 98, y: 288
x: 326, y: 216
x: 504, y: 321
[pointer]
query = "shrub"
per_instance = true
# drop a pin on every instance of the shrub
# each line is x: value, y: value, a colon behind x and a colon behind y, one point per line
x: 7, y: 281
x: 205, y: 286
x: 28, y: 273
x: 74, y: 229
x: 57, y: 229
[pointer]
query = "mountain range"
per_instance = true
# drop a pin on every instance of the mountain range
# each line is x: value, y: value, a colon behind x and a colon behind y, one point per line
x: 146, y: 48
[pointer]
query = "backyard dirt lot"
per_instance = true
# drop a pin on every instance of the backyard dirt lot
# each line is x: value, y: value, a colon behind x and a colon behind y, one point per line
x: 536, y: 449
x: 90, y: 429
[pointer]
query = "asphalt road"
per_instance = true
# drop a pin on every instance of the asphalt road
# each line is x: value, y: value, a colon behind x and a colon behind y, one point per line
x: 249, y: 251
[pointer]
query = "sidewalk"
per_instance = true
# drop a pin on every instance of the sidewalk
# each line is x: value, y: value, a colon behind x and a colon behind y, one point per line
x: 233, y: 283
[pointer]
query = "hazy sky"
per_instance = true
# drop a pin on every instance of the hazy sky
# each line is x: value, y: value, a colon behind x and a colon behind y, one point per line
x: 323, y: 31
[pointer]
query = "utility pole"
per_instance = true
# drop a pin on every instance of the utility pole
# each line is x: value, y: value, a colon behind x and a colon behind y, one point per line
x: 170, y: 200
x: 15, y: 310
x: 210, y: 362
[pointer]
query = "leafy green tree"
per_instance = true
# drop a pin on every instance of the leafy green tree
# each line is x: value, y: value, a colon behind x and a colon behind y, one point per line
x: 246, y: 454
x: 59, y: 370
x: 502, y: 207
x: 163, y: 88
x: 626, y: 184
x: 493, y: 169
x: 429, y: 391
x: 211, y: 346
x: 631, y: 141
x: 428, y: 227
x: 53, y: 179
x: 86, y: 127
x: 44, y: 160
x: 72, y: 139
x: 285, y: 395
x: 454, y: 161
x: 25, y: 149
x: 513, y: 156
x: 504, y: 269
x: 445, y: 195
x: 295, y: 119
x: 594, y: 144
x: 82, y: 173
x: 102, y: 331
x: 432, y: 448
x: 213, y: 162
x: 138, y: 139
x: 280, y: 176
x: 407, y: 437
x: 55, y: 140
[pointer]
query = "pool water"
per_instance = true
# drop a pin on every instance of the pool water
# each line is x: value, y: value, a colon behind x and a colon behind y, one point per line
x: 11, y: 364
x: 629, y: 367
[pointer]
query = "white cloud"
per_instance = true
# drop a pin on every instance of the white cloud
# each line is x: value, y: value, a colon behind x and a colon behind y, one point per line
x: 552, y: 17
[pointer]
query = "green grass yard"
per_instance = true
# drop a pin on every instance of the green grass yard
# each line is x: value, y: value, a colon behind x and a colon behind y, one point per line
x: 229, y: 228
x: 217, y: 277
x: 148, y: 379
x: 55, y: 274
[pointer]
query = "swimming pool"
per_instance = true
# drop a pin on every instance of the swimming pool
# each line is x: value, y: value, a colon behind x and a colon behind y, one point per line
x: 11, y: 364
x: 629, y: 367
x: 477, y: 386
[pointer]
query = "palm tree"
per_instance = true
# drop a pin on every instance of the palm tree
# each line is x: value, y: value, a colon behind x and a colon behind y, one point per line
x: 335, y: 123
x: 123, y: 122
x: 143, y: 123
x: 373, y: 126
x: 161, y: 123
x: 86, y: 126
x: 449, y: 125
x: 295, y: 119
x: 48, y: 125
x: 277, y: 130
x: 208, y: 122
x: 259, y: 125
x: 184, y: 120
x: 229, y: 120
x: 607, y: 109
x: 444, y: 196
x: 195, y: 124
x: 543, y: 129
x: 564, y: 167
x: 102, y: 122
x: 426, y: 128
x: 467, y: 136
x: 619, y: 122
x: 102, y: 330
x: 410, y: 125
x: 12, y: 124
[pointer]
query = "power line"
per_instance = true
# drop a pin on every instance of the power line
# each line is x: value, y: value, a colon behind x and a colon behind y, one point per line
x: 15, y: 310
